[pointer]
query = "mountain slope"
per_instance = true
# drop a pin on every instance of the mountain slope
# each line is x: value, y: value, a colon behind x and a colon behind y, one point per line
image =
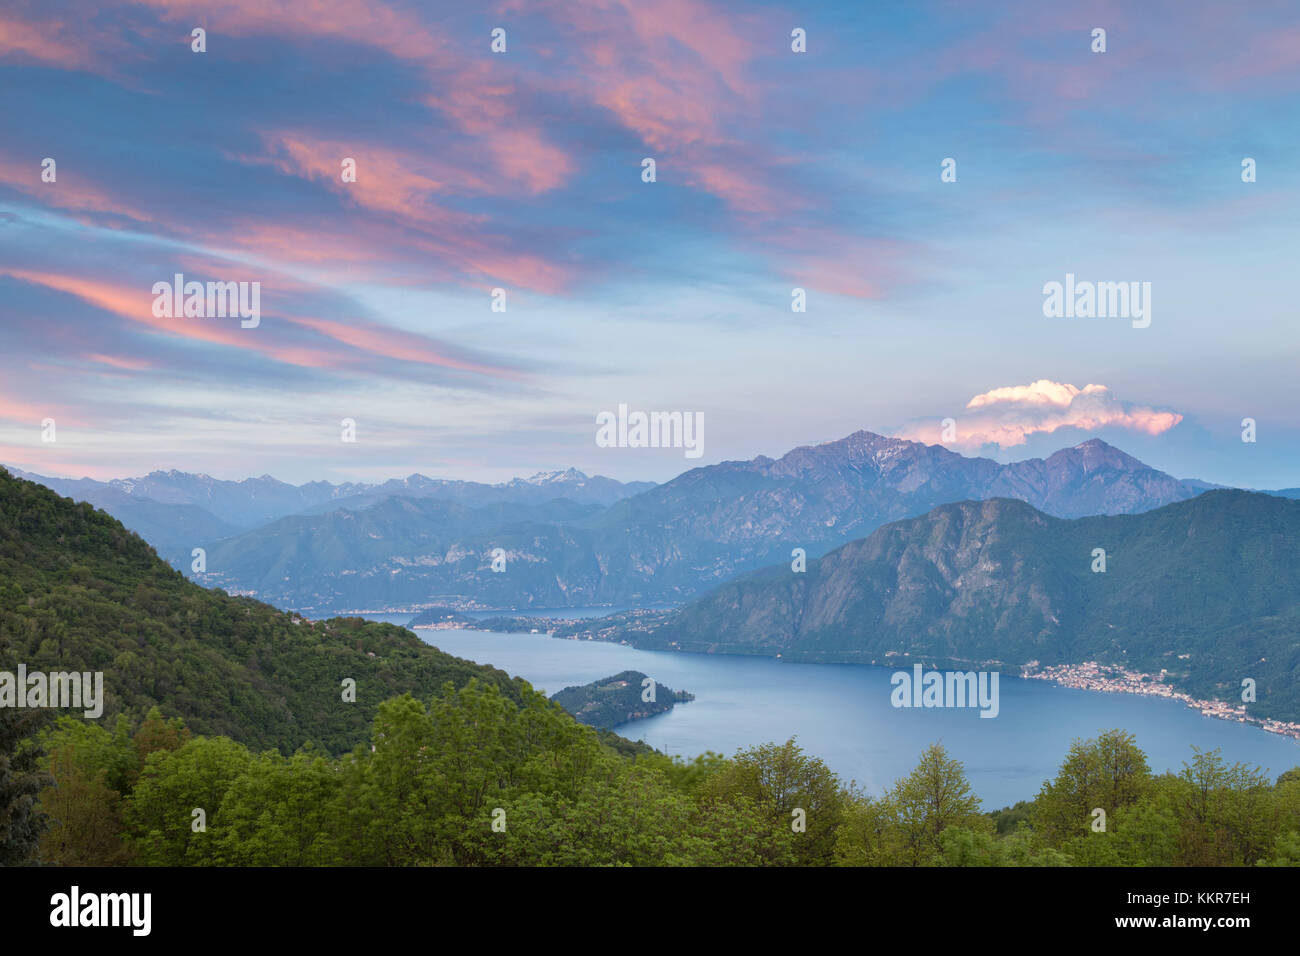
x: 1216, y: 578
x: 80, y: 592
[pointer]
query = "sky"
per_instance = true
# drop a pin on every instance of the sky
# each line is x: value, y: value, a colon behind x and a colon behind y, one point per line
x: 521, y: 170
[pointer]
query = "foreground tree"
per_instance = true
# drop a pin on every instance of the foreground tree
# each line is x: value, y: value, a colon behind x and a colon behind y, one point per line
x: 929, y: 800
x: 1108, y: 773
x: 21, y: 781
x: 1223, y: 812
x: 784, y: 785
x: 89, y: 766
x: 164, y: 828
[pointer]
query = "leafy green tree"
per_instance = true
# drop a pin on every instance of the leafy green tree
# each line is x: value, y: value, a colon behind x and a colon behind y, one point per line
x: 780, y: 779
x: 90, y: 767
x: 21, y: 820
x: 963, y: 847
x: 688, y: 776
x: 868, y: 835
x: 736, y: 833
x: 1289, y: 776
x: 278, y: 813
x: 628, y: 818
x: 1147, y: 833
x: 1223, y: 812
x: 156, y: 733
x: 932, y: 798
x: 1106, y: 773
x: 1286, y: 850
x: 391, y: 801
x: 173, y: 784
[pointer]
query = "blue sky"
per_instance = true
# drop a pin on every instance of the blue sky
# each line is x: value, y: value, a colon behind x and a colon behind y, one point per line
x: 522, y: 171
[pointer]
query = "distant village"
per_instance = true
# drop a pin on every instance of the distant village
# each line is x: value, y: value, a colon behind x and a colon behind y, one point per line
x: 1091, y: 675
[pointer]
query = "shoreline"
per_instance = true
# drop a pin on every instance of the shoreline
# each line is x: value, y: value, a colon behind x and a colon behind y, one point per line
x: 1113, y: 679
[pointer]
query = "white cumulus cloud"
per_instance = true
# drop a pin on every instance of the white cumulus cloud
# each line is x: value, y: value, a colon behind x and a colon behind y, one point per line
x: 1007, y: 416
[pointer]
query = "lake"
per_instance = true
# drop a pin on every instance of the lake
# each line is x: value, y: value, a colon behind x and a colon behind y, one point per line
x: 842, y: 713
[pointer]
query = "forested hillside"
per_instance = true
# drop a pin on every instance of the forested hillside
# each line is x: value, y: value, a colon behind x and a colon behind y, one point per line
x: 80, y: 592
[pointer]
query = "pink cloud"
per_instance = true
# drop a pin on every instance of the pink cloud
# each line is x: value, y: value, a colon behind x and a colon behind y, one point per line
x: 37, y: 42
x: 524, y: 156
x: 402, y: 189
x: 337, y: 344
x: 373, y: 23
x: 675, y: 74
x: 119, y: 361
x: 136, y: 305
x: 393, y: 343
x: 388, y: 181
x: 1007, y: 416
x: 17, y: 410
x: 71, y: 190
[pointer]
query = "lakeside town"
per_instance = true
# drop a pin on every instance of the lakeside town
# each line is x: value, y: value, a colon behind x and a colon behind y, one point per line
x: 1091, y: 675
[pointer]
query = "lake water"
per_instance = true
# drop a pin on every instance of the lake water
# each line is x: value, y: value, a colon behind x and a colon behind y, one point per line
x: 842, y: 713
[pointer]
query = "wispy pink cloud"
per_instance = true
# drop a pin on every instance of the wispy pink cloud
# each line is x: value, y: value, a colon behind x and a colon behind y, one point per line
x: 40, y: 40
x: 123, y: 362
x: 394, y: 343
x: 373, y: 23
x: 20, y: 410
x: 675, y: 74
x: 136, y: 305
x: 70, y: 191
x: 330, y: 344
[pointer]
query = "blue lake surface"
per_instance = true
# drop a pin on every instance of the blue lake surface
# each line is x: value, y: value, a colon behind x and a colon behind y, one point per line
x: 842, y: 713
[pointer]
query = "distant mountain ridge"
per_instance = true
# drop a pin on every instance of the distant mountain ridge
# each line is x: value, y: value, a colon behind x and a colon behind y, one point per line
x: 667, y: 543
x: 175, y: 509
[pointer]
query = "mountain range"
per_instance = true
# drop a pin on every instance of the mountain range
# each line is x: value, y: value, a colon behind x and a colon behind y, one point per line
x: 564, y: 539
x: 662, y: 545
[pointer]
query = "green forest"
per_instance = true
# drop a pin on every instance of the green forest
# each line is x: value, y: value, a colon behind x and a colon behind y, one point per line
x: 474, y: 778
